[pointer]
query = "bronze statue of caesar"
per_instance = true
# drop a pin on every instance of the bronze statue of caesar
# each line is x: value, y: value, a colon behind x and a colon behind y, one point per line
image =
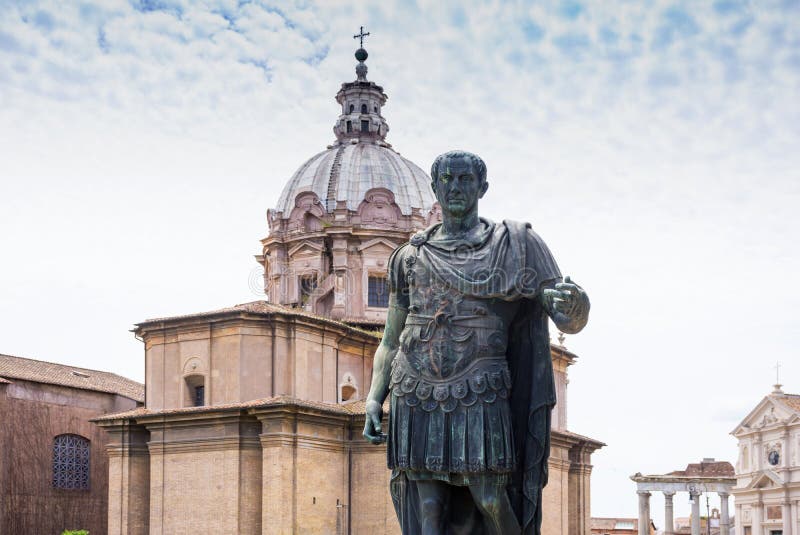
x: 466, y: 359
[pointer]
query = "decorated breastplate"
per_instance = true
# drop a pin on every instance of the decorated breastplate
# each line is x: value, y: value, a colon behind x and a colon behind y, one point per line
x: 452, y: 347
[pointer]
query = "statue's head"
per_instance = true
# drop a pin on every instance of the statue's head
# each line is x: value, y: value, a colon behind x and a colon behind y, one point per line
x: 458, y: 179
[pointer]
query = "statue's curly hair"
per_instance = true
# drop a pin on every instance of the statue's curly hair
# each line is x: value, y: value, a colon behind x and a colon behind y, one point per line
x: 477, y: 163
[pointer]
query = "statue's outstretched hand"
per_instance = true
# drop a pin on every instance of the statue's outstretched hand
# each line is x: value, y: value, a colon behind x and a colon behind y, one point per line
x: 566, y: 297
x: 568, y: 305
x: 372, y: 425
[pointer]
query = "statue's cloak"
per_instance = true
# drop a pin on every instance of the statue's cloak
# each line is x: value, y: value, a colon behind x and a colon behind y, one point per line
x: 519, y: 266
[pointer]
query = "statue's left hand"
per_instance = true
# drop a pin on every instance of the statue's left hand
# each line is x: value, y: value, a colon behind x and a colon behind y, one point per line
x: 566, y: 297
x: 569, y: 305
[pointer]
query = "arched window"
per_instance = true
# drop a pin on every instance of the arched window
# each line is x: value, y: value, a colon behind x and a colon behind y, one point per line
x: 375, y: 109
x: 71, y: 462
x: 348, y: 390
x: 363, y: 108
x: 352, y: 108
x: 195, y: 391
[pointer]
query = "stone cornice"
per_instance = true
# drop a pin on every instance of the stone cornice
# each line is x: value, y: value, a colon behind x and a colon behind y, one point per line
x: 203, y: 444
x: 570, y: 440
x: 244, y: 318
x: 271, y: 440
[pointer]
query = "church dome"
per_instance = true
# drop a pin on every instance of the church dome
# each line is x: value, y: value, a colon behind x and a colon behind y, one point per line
x: 343, y: 213
x: 346, y: 172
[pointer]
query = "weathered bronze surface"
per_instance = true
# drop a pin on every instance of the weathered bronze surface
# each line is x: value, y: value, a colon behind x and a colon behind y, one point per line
x: 465, y: 357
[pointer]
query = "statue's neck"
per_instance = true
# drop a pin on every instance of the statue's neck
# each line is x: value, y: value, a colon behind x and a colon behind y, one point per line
x: 459, y: 226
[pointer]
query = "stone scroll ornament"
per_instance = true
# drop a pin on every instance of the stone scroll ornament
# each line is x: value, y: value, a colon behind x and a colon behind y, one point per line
x: 465, y: 363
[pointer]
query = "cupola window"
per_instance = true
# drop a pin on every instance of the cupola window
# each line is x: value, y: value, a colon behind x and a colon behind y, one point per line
x: 349, y: 126
x: 352, y: 108
x: 365, y: 126
x: 308, y: 283
x: 363, y: 108
x: 375, y: 109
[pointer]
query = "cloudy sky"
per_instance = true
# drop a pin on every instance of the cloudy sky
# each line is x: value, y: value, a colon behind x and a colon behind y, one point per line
x: 655, y: 146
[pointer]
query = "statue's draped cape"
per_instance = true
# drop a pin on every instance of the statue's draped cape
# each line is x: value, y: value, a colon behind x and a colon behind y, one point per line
x: 520, y: 264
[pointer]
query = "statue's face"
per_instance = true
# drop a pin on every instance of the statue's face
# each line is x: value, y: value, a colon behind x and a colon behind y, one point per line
x: 458, y: 187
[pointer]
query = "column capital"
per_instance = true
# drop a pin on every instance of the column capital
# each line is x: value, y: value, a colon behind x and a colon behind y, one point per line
x: 723, y: 494
x: 643, y: 492
x: 669, y: 493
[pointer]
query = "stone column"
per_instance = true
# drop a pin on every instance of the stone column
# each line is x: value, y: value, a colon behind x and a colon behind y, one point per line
x: 669, y: 515
x: 695, y: 497
x: 755, y: 518
x: 644, y: 512
x: 724, y: 521
x: 788, y: 523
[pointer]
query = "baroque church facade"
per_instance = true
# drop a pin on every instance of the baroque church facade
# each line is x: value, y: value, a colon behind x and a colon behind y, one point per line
x: 767, y: 490
x: 253, y: 413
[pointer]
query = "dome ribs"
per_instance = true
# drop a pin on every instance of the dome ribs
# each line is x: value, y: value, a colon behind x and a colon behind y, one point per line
x: 333, y: 182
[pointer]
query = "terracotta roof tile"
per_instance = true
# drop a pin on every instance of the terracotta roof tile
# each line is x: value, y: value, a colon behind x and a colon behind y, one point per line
x: 792, y: 401
x: 59, y: 374
x: 707, y: 469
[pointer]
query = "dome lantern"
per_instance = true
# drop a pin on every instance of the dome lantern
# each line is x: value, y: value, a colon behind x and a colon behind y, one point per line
x: 361, y: 102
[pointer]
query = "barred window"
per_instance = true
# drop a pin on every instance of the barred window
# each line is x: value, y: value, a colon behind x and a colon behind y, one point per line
x: 378, y: 294
x: 71, y: 462
x: 199, y: 396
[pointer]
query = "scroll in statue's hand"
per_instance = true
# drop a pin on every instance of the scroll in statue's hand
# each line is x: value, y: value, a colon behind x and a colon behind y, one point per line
x: 372, y: 425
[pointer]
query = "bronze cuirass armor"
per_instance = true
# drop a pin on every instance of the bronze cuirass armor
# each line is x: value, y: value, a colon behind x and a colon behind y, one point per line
x: 450, y: 370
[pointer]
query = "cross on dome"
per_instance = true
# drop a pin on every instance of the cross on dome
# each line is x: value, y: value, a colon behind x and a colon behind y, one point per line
x: 361, y: 35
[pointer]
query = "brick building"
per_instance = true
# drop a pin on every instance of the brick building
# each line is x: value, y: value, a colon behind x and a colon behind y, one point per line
x: 53, y: 466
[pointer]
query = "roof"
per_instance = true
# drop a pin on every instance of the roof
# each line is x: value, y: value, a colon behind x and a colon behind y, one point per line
x: 347, y: 172
x: 260, y: 308
x: 709, y: 468
x: 39, y: 371
x: 346, y: 409
x: 790, y: 400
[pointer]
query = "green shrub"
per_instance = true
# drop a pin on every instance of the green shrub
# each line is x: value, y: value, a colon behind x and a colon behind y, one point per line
x: 75, y: 532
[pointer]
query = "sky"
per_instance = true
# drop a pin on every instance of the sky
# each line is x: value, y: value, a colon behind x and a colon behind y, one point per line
x: 654, y: 145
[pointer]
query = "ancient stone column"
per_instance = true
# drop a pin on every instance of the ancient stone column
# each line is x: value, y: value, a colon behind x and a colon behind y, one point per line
x: 695, y: 497
x: 669, y: 515
x: 724, y: 521
x: 644, y: 512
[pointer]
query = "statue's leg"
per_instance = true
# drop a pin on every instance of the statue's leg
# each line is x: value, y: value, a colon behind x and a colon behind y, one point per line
x: 492, y: 501
x: 433, y: 501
